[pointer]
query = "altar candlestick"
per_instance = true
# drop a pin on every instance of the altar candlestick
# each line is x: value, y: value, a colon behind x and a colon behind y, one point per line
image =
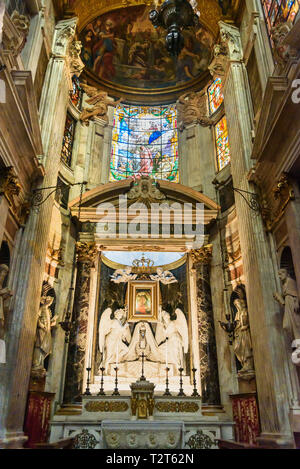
x: 117, y: 359
x: 167, y: 352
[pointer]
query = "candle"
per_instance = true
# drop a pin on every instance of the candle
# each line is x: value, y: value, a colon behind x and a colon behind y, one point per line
x: 167, y: 352
x: 117, y: 359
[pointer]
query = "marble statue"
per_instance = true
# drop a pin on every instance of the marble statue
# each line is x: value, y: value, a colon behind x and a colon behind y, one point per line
x: 290, y: 301
x: 165, y: 277
x: 296, y: 352
x: 242, y: 343
x: 43, y: 341
x: 123, y: 275
x: 113, y: 331
x: 4, y: 295
x: 172, y: 337
x: 100, y: 102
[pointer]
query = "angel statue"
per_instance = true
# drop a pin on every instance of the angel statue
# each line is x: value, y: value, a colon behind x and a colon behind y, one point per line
x: 165, y: 277
x: 114, y: 331
x: 172, y: 336
x: 123, y: 275
x: 100, y: 102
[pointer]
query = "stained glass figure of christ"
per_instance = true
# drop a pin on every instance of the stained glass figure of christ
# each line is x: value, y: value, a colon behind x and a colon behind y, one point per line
x: 145, y: 143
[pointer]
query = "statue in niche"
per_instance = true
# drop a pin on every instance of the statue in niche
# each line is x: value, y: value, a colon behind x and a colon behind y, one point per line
x: 242, y: 343
x: 5, y: 294
x: 43, y: 341
x: 172, y: 336
x: 165, y: 277
x: 100, y: 102
x: 123, y: 275
x: 290, y: 301
x: 114, y: 331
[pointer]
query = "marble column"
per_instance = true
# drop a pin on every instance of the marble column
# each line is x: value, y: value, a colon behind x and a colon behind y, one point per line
x: 207, y: 342
x: 78, y: 345
x: 264, y: 315
x: 28, y: 275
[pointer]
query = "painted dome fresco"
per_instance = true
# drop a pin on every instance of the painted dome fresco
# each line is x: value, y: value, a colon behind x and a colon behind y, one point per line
x: 122, y: 49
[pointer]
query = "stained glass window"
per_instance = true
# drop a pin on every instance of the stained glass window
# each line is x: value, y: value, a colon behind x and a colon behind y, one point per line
x: 215, y: 95
x: 68, y: 140
x: 223, y: 150
x: 278, y: 11
x: 145, y: 143
x: 76, y: 93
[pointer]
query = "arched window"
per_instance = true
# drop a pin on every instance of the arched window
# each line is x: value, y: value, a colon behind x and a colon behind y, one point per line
x: 144, y: 143
x: 279, y: 11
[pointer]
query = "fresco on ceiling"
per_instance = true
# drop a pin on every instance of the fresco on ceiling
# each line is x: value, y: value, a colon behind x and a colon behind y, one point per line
x: 124, y: 48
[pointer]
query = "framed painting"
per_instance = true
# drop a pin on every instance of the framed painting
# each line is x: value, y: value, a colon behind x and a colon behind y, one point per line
x: 143, y: 301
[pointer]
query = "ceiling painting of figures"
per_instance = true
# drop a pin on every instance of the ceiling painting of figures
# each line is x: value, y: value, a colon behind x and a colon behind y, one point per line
x: 123, y: 48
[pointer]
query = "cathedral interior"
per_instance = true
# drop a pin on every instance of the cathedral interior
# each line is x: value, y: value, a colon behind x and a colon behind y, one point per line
x: 149, y: 224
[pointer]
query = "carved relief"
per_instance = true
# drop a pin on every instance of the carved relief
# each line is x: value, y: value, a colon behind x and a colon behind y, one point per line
x: 146, y: 191
x: 176, y: 407
x: 106, y: 406
x: 10, y: 186
x: 76, y: 65
x: 192, y: 109
x: 219, y: 63
x: 100, y: 102
x: 21, y: 22
x: 283, y: 52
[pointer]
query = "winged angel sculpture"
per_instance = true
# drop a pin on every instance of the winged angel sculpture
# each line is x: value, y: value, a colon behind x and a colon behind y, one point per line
x: 100, y: 102
x: 118, y: 345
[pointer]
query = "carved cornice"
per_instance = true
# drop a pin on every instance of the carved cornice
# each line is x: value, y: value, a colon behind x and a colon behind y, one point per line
x: 202, y: 256
x: 86, y: 252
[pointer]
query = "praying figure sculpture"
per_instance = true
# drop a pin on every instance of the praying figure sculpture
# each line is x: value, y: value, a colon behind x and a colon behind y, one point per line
x: 290, y: 301
x: 43, y: 341
x: 242, y: 343
x: 4, y: 295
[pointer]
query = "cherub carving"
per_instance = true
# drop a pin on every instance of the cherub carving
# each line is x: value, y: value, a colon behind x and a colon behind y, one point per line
x: 165, y: 277
x: 123, y: 276
x: 100, y: 102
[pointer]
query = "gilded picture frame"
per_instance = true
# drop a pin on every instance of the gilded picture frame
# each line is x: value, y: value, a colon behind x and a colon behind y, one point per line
x: 143, y: 301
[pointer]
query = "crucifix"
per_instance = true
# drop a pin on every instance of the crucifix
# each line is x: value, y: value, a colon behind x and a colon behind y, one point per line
x: 143, y: 358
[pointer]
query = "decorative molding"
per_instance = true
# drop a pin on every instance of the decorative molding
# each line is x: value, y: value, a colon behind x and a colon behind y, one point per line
x: 106, y: 406
x: 86, y: 252
x: 146, y: 191
x: 176, y: 407
x: 10, y: 186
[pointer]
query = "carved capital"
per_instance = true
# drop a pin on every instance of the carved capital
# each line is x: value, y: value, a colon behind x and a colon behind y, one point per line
x: 219, y: 63
x: 193, y: 109
x: 63, y: 36
x: 10, y: 186
x: 231, y: 41
x: 203, y: 255
x: 86, y: 253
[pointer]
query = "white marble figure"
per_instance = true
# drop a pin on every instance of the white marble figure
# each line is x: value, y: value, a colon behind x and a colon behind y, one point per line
x: 43, y: 342
x: 165, y: 277
x: 290, y: 301
x: 143, y: 341
x: 123, y: 275
x: 175, y: 328
x: 113, y: 330
x: 4, y: 295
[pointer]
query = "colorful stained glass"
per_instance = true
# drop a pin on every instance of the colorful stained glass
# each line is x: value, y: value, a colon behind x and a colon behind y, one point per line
x: 215, y: 95
x: 279, y: 11
x: 76, y: 93
x: 68, y: 140
x: 223, y: 150
x: 145, y: 143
